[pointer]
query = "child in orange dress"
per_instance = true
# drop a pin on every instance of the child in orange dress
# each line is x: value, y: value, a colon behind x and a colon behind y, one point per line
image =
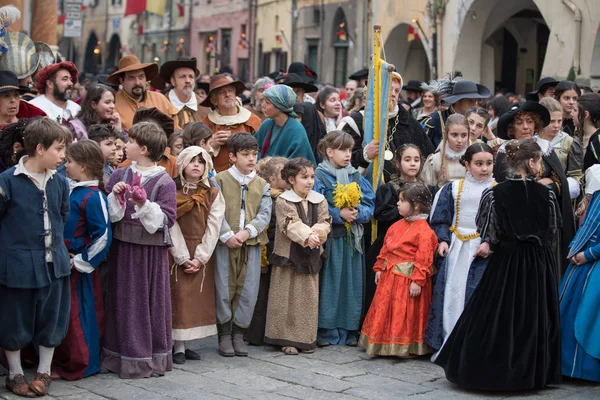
x: 396, y: 322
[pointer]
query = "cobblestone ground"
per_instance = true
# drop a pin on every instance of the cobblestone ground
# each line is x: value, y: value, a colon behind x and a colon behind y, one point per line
x: 334, y: 372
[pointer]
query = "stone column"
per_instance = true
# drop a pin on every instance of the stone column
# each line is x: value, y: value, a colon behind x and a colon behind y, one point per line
x: 44, y: 23
x: 16, y: 26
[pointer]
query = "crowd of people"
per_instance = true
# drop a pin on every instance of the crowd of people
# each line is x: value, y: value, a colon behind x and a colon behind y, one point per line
x: 156, y: 206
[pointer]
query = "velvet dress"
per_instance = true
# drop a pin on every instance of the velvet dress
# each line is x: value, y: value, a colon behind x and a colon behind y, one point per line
x: 508, y: 336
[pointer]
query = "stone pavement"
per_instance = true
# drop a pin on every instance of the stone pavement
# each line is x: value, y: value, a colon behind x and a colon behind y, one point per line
x: 335, y: 372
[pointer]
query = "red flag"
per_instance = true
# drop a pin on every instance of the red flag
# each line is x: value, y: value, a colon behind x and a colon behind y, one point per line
x: 181, y: 10
x: 135, y: 7
x: 412, y: 34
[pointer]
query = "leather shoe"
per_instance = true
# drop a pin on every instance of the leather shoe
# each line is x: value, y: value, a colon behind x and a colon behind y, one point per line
x: 322, y: 343
x: 19, y: 386
x: 191, y: 355
x: 41, y: 384
x: 178, y: 358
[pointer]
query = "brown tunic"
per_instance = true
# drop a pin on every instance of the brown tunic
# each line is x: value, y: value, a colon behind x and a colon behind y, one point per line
x: 193, y: 295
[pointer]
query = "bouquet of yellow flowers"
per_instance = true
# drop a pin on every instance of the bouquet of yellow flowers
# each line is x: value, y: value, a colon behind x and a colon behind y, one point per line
x: 347, y: 196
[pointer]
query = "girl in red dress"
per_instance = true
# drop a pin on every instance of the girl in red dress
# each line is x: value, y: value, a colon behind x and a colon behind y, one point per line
x: 396, y: 321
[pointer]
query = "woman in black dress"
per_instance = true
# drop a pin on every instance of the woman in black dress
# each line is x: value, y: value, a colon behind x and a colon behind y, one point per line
x: 508, y: 337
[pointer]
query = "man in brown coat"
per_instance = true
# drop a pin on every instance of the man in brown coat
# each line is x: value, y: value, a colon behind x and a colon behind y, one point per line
x: 228, y: 117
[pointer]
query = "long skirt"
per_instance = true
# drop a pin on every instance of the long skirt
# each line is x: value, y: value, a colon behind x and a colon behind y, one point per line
x: 576, y: 360
x: 293, y: 307
x: 138, y: 311
x: 395, y: 324
x: 341, y: 293
x: 78, y: 356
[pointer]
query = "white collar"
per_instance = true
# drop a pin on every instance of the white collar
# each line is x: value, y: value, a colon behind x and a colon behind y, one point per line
x: 241, y: 117
x: 417, y: 217
x: 394, y: 112
x: 454, y: 155
x: 544, y: 145
x: 21, y: 169
x: 192, y: 103
x: 470, y: 178
x: 146, y: 172
x: 241, y: 178
x: 313, y: 197
x: 70, y: 111
x: 74, y: 184
x: 560, y: 136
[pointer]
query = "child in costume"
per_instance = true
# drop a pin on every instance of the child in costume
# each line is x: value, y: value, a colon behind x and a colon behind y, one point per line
x: 508, y: 336
x: 580, y: 292
x: 34, y: 267
x: 238, y: 255
x: 88, y: 237
x: 444, y: 166
x: 462, y: 251
x: 303, y: 224
x: 478, y: 120
x: 342, y: 277
x: 142, y: 206
x: 395, y: 324
x: 268, y: 168
x: 200, y: 211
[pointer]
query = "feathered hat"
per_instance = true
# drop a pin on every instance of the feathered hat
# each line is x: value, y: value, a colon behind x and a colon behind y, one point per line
x: 443, y: 86
x: 17, y: 50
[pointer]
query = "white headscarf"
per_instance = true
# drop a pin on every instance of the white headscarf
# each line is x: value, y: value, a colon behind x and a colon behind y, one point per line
x: 183, y: 160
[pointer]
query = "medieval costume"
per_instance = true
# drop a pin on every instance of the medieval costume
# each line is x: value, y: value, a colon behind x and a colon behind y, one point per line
x: 570, y: 154
x: 53, y: 111
x: 443, y: 167
x: 293, y: 307
x: 516, y: 296
x: 314, y: 125
x: 592, y: 151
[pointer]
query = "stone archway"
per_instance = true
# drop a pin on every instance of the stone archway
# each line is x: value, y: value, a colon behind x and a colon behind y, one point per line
x: 93, y: 58
x: 409, y: 58
x: 500, y: 43
x: 114, y: 52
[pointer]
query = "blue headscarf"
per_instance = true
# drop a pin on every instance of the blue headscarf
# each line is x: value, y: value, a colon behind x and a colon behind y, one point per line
x: 283, y: 98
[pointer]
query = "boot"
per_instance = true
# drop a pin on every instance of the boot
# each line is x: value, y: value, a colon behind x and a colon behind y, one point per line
x: 225, y: 345
x: 240, y: 348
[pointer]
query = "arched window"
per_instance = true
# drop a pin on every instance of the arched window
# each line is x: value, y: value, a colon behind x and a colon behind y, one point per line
x: 340, y: 45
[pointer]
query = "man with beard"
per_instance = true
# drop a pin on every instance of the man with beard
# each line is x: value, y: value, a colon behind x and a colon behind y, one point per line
x: 133, y: 76
x: 227, y: 117
x: 182, y: 74
x: 55, y: 85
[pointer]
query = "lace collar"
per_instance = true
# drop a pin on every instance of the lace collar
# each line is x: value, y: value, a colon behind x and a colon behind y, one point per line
x: 471, y: 179
x: 417, y: 217
x: 454, y: 155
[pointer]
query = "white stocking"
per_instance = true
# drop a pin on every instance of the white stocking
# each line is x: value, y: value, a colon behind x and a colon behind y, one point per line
x: 46, y: 354
x: 179, y: 346
x: 14, y: 363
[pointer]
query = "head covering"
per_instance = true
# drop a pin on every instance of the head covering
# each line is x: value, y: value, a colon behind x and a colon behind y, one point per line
x: 45, y: 54
x: 155, y: 115
x: 202, y: 85
x: 186, y: 156
x: 467, y: 90
x: 528, y: 106
x: 9, y: 82
x: 398, y: 77
x: 302, y: 70
x: 283, y: 98
x: 541, y: 86
x: 294, y: 81
x: 101, y: 78
x: 360, y: 74
x: 168, y: 69
x: 219, y: 81
x: 132, y: 63
x: 413, y: 86
x: 20, y: 56
x: 45, y: 73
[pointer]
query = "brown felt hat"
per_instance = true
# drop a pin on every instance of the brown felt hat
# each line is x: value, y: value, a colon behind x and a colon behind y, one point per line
x: 132, y: 63
x: 219, y: 81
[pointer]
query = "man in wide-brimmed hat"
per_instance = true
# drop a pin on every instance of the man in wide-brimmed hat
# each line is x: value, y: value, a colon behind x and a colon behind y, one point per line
x: 227, y: 117
x: 133, y: 76
x: 300, y: 87
x: 55, y: 85
x: 544, y: 88
x: 459, y: 96
x: 413, y: 91
x: 182, y: 73
x: 361, y: 77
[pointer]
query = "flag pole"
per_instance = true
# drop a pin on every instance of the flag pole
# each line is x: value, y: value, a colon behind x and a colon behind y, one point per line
x: 377, y: 95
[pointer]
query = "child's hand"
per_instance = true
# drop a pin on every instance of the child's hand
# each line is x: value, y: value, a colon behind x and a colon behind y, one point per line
x: 192, y: 266
x: 119, y: 188
x: 415, y: 290
x: 234, y: 242
x: 483, y: 250
x: 443, y: 249
x: 348, y: 214
x: 242, y: 236
x: 578, y: 259
x: 377, y: 277
x: 313, y: 241
x: 138, y: 195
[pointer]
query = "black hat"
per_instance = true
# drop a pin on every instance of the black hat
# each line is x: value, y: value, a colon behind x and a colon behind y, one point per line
x: 467, y: 90
x: 102, y: 79
x: 541, y: 86
x: 153, y: 114
x: 302, y: 70
x: 276, y: 75
x: 294, y: 81
x: 360, y: 74
x: 528, y: 106
x: 10, y: 82
x: 413, y: 86
x: 202, y: 85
